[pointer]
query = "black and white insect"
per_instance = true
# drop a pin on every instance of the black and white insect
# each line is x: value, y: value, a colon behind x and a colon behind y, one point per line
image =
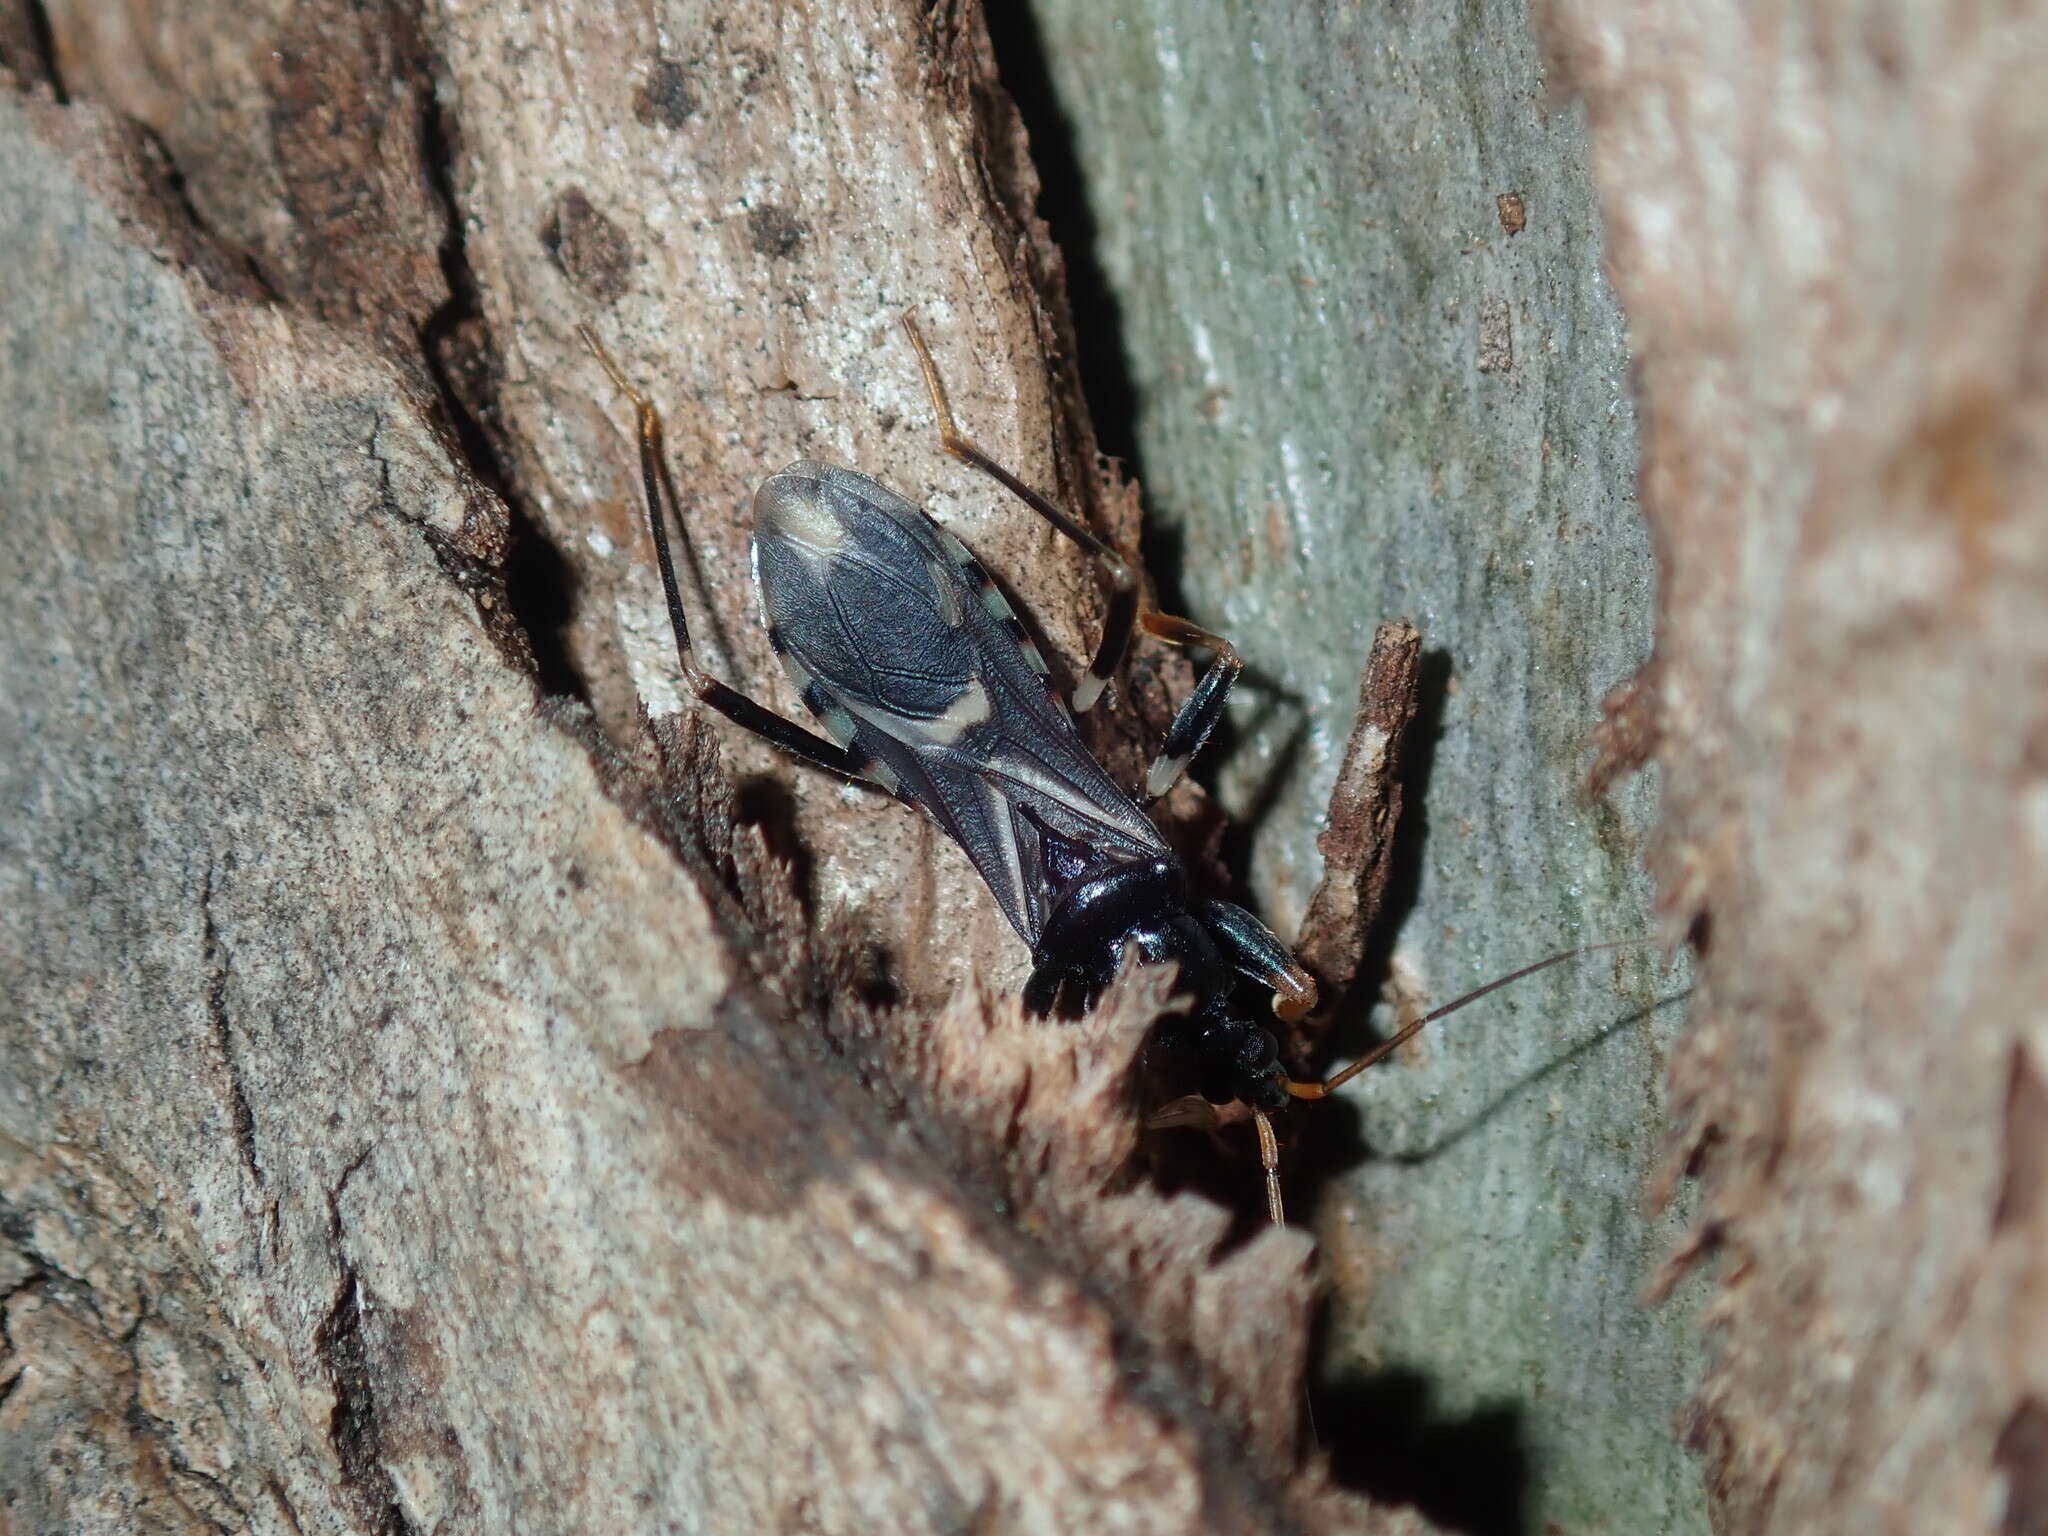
x: 929, y: 687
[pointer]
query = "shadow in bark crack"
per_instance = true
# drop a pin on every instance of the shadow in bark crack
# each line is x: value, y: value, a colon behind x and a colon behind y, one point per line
x: 1467, y: 1474
x: 28, y: 46
x: 1104, y: 361
x: 1280, y: 713
x: 461, y: 357
x: 541, y: 590
x: 767, y: 805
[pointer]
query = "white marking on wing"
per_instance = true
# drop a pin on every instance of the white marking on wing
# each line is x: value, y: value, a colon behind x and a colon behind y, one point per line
x: 946, y: 587
x: 969, y: 709
x: 1116, y: 814
x: 963, y: 714
x: 1121, y: 816
x: 838, y: 725
x: 1002, y: 818
x: 800, y: 517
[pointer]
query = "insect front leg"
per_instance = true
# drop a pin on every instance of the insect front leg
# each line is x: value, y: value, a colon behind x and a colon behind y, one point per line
x: 1252, y: 949
x: 731, y: 703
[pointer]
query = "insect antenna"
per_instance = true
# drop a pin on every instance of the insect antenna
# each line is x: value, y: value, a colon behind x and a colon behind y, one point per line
x: 1407, y: 1032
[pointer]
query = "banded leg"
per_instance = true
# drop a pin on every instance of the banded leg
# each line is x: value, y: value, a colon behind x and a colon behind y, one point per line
x: 1269, y: 1159
x: 1123, y: 584
x: 1197, y: 1113
x: 734, y: 705
x: 1204, y: 707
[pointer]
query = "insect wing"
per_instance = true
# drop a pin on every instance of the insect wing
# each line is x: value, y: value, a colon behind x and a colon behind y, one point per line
x: 910, y: 658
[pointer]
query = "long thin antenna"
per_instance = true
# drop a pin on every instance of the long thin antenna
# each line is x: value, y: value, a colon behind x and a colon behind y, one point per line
x: 1408, y: 1032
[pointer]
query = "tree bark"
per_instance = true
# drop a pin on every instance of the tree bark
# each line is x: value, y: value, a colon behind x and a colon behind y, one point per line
x: 1831, y: 234
x: 1355, y: 257
x: 440, y: 1096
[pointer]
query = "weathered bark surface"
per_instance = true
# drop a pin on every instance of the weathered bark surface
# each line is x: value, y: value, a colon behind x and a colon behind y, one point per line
x: 1830, y: 229
x: 1826, y: 227
x: 430, y: 1104
x: 1363, y: 823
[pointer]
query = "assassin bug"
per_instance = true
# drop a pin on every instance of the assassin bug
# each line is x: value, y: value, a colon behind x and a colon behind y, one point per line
x: 936, y: 694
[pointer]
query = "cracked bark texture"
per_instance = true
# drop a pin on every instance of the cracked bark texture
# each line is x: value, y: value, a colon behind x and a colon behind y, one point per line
x: 1355, y: 254
x: 1830, y: 228
x: 435, y: 1100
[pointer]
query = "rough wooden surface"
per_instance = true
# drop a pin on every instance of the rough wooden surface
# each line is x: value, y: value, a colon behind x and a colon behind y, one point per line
x: 433, y: 1101
x: 1364, y: 390
x: 1362, y: 824
x: 1830, y: 228
x: 433, y: 1104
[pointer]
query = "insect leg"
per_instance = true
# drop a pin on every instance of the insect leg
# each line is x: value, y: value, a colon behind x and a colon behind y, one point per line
x: 1253, y: 950
x: 1204, y: 707
x: 1200, y: 1114
x: 1189, y: 1110
x: 1269, y: 1159
x: 735, y: 706
x: 1123, y: 584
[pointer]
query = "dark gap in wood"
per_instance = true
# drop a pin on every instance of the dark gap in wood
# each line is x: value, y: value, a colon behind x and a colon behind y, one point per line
x: 1469, y: 1473
x: 1104, y: 359
x: 37, y: 41
x: 540, y: 583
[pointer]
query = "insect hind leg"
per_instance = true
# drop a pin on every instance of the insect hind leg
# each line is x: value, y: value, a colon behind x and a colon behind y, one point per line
x: 1204, y: 707
x: 1122, y: 616
x: 734, y: 705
